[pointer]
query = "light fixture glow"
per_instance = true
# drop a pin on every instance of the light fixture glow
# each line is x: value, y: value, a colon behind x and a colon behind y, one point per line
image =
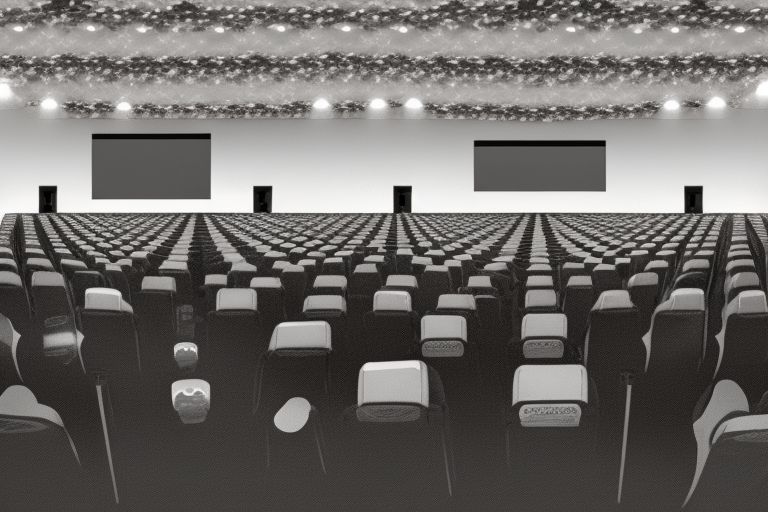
x: 280, y: 28
x: 638, y: 30
x: 6, y: 92
x: 675, y: 30
x: 570, y: 29
x: 219, y: 30
x: 18, y: 28
x: 321, y: 104
x: 377, y: 104
x: 90, y: 28
x: 142, y: 29
x: 402, y: 30
x: 762, y: 90
x: 414, y: 103
x: 717, y: 102
x: 671, y: 105
x: 49, y: 104
x: 123, y: 106
x: 346, y: 28
x: 740, y: 29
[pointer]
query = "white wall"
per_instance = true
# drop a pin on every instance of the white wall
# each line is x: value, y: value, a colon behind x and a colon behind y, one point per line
x: 351, y: 165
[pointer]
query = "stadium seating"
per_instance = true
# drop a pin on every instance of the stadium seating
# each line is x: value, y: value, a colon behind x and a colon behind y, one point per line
x: 371, y: 362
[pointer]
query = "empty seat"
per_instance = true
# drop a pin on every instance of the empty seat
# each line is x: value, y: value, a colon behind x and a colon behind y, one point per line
x: 50, y: 296
x: 294, y: 279
x: 14, y: 302
x: 211, y: 286
x: 740, y: 282
x: 434, y: 282
x: 271, y: 296
x: 541, y: 301
x: 333, y: 310
x: 330, y: 285
x: 390, y: 331
x: 543, y: 340
x: 731, y: 452
x: 42, y: 468
x: 551, y: 436
x: 241, y: 274
x: 644, y: 292
x: 742, y: 343
x: 578, y: 299
x: 364, y: 282
x: 400, y: 420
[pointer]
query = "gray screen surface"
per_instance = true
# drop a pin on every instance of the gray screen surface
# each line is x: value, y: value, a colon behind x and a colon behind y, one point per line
x: 535, y: 166
x: 151, y: 166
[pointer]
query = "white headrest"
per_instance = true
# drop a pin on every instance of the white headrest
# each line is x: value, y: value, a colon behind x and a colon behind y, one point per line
x: 392, y: 300
x: 192, y: 400
x: 743, y: 279
x: 173, y: 265
x: 8, y: 278
x: 748, y: 302
x: 579, y: 281
x: 330, y: 282
x: 543, y: 383
x: 233, y: 299
x: 496, y: 267
x: 41, y: 278
x: 20, y: 401
x: 366, y: 268
x: 106, y: 299
x: 739, y: 263
x: 325, y: 303
x: 73, y: 264
x: 301, y: 335
x: 539, y: 282
x: 266, y: 282
x: 684, y: 299
x: 232, y: 257
x: 402, y: 382
x: 479, y: 282
x: 741, y: 424
x: 541, y: 325
x: 452, y: 327
x: 436, y: 268
x: 9, y: 262
x: 457, y: 301
x: 242, y: 266
x: 216, y: 279
x: 158, y: 284
x: 654, y: 264
x: 407, y: 281
x: 452, y: 263
x: 613, y: 299
x: 644, y: 279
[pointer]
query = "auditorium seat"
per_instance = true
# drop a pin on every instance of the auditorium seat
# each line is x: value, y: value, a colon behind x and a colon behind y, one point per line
x: 731, y: 452
x: 271, y: 296
x: 50, y: 296
x: 14, y: 302
x: 41, y: 466
x: 390, y: 328
x: 644, y: 292
x: 400, y: 420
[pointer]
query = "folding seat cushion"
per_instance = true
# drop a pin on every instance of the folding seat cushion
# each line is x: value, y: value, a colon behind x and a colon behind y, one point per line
x: 434, y: 281
x: 644, y: 292
x: 50, y: 296
x: 240, y: 275
x: 400, y: 420
x: 742, y: 343
x: 37, y: 451
x: 330, y: 285
x: 578, y: 299
x: 364, y: 282
x: 740, y: 282
x: 445, y: 347
x: 551, y: 435
x: 294, y: 279
x: 732, y: 453
x: 271, y: 296
x: 14, y: 303
x: 389, y: 330
x: 211, y: 286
